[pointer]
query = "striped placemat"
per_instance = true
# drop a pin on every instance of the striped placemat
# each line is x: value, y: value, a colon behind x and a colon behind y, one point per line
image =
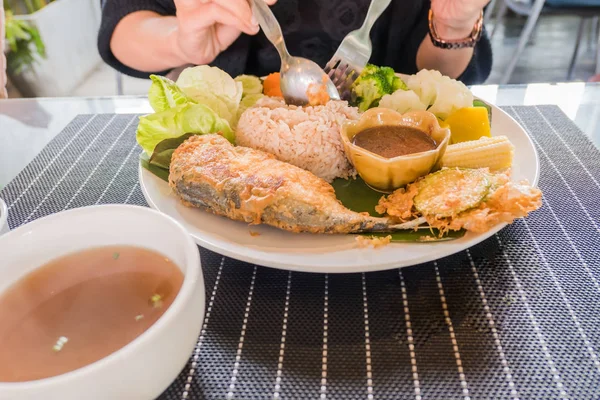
x: 516, y: 317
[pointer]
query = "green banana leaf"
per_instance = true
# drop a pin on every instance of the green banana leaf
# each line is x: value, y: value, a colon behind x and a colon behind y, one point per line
x: 423, y: 235
x: 356, y: 195
x: 162, y: 173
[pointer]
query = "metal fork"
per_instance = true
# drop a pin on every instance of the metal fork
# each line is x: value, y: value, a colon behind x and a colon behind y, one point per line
x: 354, y: 51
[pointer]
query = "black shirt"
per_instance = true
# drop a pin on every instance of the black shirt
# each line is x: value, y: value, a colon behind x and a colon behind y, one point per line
x: 312, y: 29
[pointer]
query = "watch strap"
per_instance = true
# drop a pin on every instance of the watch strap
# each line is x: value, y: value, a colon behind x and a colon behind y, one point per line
x: 468, y: 42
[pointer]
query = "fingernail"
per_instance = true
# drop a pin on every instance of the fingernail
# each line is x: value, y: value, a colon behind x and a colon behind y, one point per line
x: 254, y: 21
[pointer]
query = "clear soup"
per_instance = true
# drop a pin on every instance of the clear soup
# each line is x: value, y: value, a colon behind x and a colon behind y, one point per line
x: 79, y: 308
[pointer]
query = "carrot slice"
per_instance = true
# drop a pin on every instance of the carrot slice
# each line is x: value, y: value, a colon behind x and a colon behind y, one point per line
x: 271, y: 85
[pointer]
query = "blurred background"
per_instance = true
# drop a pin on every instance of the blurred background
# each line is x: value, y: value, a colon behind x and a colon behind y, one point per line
x: 51, y: 53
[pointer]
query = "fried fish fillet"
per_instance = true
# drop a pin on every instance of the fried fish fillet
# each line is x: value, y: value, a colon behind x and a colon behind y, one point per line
x: 252, y: 186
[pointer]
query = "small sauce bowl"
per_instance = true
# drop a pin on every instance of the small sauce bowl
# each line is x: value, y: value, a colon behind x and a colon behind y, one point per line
x: 388, y: 174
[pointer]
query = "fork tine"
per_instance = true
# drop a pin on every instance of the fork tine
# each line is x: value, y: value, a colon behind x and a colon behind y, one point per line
x: 339, y: 74
x: 331, y: 73
x: 353, y: 75
x: 341, y: 70
x: 345, y: 82
x: 348, y: 74
x: 331, y: 65
x: 344, y: 74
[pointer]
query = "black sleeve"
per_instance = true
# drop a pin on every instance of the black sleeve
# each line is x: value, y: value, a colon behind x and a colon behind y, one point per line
x: 478, y: 69
x: 112, y: 12
x: 480, y: 66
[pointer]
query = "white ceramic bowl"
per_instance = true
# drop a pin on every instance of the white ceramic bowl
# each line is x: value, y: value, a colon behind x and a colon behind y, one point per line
x: 3, y: 217
x: 145, y: 367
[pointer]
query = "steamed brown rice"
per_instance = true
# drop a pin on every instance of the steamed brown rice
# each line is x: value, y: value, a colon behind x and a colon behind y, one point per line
x: 307, y: 137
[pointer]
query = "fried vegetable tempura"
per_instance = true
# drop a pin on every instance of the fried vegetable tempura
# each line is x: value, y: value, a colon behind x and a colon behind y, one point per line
x: 504, y: 202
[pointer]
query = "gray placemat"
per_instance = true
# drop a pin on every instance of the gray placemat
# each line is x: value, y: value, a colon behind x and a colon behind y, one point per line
x: 515, y: 317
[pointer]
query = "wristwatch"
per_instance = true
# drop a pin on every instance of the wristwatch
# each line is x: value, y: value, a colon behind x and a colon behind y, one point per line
x: 469, y: 41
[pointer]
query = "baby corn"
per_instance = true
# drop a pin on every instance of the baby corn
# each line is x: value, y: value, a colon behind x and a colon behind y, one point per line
x: 488, y: 152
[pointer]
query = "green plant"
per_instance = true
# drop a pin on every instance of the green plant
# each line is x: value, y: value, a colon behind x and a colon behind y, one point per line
x: 18, y: 7
x: 23, y: 38
x: 25, y: 44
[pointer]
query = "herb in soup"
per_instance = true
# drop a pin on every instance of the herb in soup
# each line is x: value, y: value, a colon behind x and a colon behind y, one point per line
x: 80, y: 308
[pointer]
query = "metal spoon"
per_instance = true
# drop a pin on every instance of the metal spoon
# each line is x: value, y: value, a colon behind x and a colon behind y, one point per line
x: 297, y: 73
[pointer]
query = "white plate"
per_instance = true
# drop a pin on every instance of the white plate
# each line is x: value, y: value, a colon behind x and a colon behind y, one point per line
x: 325, y: 253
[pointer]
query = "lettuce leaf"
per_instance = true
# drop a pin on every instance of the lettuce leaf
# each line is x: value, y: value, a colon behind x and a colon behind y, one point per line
x: 206, y: 85
x: 203, y: 100
x: 178, y: 121
x: 247, y: 102
x: 251, y: 84
x: 164, y: 94
x: 220, y: 107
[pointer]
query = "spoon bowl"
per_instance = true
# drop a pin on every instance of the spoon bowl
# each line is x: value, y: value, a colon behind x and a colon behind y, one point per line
x: 298, y: 74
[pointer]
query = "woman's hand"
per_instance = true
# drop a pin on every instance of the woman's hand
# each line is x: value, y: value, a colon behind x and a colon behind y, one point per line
x: 455, y: 19
x: 148, y: 41
x: 207, y: 27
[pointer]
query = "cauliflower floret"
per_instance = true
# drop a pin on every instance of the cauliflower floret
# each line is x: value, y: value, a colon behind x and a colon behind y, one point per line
x: 442, y: 94
x: 424, y: 84
x: 402, y: 101
x: 451, y: 96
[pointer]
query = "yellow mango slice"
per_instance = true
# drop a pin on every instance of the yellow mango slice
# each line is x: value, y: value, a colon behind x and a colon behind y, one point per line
x: 442, y: 123
x: 469, y: 123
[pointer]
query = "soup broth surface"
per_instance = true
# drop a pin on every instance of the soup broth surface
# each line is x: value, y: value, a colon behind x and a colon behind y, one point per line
x: 79, y: 308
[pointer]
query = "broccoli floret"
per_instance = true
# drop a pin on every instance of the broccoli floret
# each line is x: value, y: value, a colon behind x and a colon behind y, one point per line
x: 369, y: 69
x: 398, y: 83
x: 387, y: 72
x: 372, y: 84
x: 369, y: 89
x: 394, y: 81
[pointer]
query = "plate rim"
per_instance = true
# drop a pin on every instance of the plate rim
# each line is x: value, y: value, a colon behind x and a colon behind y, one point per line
x: 252, y: 256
